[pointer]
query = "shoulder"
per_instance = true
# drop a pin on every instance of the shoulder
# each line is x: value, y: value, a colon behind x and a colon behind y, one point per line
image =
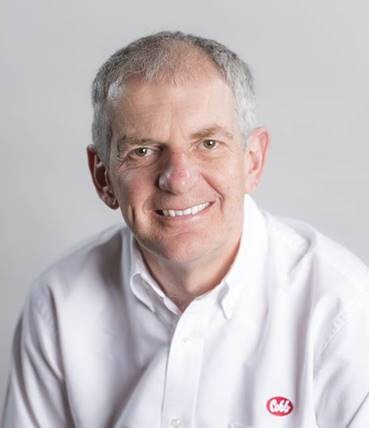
x: 87, y: 269
x: 330, y: 283
x: 300, y: 247
x: 89, y: 256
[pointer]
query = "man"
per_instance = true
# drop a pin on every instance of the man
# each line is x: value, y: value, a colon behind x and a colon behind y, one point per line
x: 204, y: 312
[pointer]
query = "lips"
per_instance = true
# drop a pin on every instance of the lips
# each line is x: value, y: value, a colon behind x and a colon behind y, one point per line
x: 169, y: 212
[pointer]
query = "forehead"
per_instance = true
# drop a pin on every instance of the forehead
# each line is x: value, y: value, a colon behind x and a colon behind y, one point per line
x: 189, y: 103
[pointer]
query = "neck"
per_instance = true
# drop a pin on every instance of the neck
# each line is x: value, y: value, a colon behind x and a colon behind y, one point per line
x: 183, y: 282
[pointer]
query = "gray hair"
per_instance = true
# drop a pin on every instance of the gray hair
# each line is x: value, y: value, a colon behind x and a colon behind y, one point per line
x: 158, y: 56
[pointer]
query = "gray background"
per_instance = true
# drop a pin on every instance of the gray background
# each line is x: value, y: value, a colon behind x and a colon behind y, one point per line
x: 310, y: 60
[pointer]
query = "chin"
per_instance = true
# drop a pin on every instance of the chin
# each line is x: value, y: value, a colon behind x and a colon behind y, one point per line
x: 178, y: 252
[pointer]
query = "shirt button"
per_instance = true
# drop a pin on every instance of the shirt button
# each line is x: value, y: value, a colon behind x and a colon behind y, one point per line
x: 176, y: 423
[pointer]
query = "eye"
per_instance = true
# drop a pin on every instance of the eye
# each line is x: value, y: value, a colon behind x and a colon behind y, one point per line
x: 142, y: 152
x: 209, y: 144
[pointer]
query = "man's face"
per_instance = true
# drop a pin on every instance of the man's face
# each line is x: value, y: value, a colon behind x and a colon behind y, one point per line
x: 178, y: 167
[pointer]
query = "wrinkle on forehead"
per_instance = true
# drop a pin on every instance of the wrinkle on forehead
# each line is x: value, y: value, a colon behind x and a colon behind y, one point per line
x: 145, y: 99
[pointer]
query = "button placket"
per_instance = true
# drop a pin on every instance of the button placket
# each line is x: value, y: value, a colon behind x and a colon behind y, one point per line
x: 183, y: 370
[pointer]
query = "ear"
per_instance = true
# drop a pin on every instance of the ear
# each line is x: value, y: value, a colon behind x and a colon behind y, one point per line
x: 100, y: 178
x: 255, y: 155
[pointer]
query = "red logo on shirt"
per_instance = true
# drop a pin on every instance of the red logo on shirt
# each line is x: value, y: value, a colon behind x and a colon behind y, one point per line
x: 279, y: 406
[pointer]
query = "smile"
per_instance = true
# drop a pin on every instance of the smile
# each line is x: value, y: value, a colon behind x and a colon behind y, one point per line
x: 188, y: 211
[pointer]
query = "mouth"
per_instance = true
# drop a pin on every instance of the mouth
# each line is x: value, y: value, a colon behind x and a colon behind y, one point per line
x: 190, y: 211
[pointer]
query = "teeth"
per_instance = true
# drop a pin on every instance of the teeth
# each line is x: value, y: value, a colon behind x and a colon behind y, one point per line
x: 192, y: 210
x: 195, y: 210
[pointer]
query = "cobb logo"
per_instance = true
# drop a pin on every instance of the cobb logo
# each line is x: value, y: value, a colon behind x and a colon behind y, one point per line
x: 279, y: 406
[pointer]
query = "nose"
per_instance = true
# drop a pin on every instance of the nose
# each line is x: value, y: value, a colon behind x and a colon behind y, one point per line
x: 179, y: 173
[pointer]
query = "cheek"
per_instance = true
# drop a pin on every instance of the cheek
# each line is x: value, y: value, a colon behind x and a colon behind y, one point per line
x: 124, y: 183
x: 229, y: 183
x: 235, y: 178
x: 133, y: 191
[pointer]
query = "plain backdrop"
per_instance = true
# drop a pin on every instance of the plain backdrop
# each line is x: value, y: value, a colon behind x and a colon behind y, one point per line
x: 311, y: 65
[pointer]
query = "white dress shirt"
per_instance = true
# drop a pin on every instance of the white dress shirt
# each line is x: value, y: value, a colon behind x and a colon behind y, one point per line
x: 282, y: 342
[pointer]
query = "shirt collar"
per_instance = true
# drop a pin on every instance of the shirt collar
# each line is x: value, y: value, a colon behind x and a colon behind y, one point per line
x: 248, y: 268
x: 141, y: 282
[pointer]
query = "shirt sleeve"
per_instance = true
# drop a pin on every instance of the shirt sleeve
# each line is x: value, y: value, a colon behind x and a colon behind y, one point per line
x: 342, y: 375
x: 36, y: 395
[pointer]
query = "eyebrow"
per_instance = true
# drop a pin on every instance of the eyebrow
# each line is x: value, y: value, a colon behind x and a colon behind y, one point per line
x: 211, y: 131
x: 207, y: 132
